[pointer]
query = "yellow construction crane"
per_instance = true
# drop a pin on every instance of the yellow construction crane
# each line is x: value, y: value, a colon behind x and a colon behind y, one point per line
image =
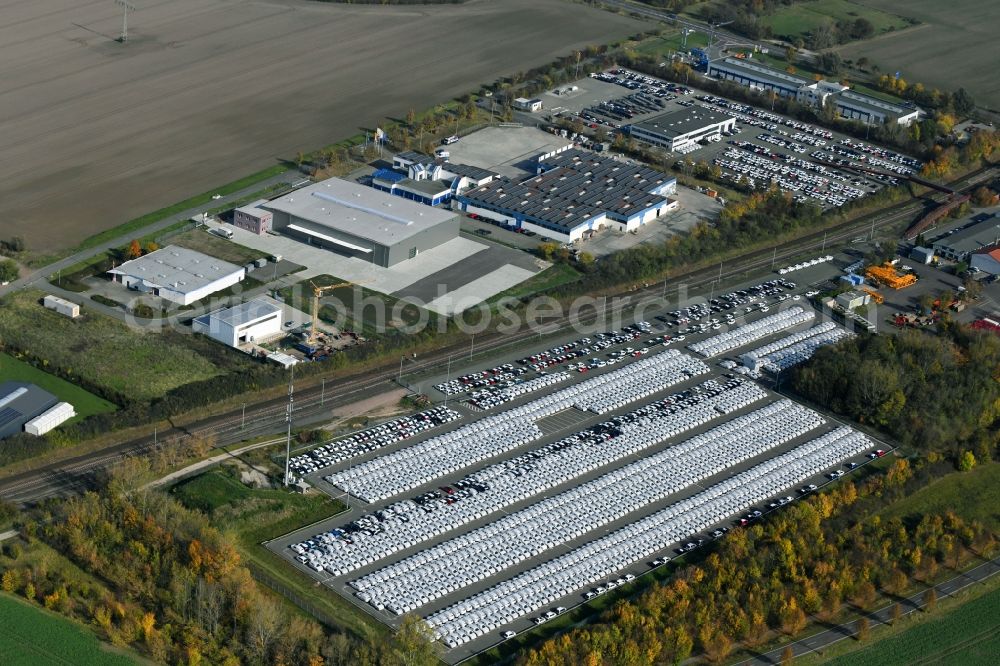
x: 317, y: 293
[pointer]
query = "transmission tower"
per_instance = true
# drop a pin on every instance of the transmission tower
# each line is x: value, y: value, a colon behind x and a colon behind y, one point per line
x: 126, y: 7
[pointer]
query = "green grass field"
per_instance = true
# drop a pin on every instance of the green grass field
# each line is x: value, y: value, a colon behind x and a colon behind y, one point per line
x: 31, y: 636
x: 967, y: 635
x: 84, y: 402
x: 973, y: 495
x: 801, y: 18
x: 552, y: 277
x: 216, y: 246
x: 666, y: 45
x: 103, y: 351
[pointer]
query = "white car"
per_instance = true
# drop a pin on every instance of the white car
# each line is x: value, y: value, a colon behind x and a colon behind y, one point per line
x: 508, y: 635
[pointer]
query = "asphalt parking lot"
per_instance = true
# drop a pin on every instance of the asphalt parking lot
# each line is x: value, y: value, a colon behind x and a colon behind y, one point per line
x: 554, y: 428
x: 592, y: 92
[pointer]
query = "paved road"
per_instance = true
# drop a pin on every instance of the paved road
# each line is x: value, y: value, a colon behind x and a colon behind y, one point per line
x: 38, y: 277
x: 911, y: 604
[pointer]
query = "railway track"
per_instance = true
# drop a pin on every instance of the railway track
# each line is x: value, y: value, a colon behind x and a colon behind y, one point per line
x: 268, y: 416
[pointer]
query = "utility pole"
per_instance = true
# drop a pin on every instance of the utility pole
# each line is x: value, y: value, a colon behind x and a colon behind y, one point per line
x: 243, y: 420
x: 472, y: 345
x: 126, y: 6
x: 774, y: 257
x: 824, y: 242
x: 288, y: 420
x: 322, y: 391
x: 448, y: 379
x: 400, y: 380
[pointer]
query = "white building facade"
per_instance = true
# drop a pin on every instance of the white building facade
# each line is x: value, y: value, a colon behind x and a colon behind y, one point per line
x: 177, y: 274
x: 251, y: 322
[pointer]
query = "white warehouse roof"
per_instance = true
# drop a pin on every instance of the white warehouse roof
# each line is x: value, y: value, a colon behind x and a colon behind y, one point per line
x: 179, y: 268
x: 244, y: 313
x: 50, y: 419
x: 358, y: 210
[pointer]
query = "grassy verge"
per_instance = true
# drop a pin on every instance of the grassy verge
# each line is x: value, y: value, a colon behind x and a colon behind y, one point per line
x: 201, y: 240
x: 84, y: 402
x: 552, y: 277
x: 257, y: 515
x: 195, y: 201
x: 962, y: 630
x: 32, y: 636
x: 100, y: 350
x: 800, y: 19
x: 974, y: 495
x: 669, y: 43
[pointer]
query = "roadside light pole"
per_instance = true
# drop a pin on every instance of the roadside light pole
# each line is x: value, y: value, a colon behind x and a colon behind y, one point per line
x: 288, y: 420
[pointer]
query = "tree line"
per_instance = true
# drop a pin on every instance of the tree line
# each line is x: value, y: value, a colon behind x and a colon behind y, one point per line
x: 159, y: 578
x: 820, y: 558
x: 938, y: 394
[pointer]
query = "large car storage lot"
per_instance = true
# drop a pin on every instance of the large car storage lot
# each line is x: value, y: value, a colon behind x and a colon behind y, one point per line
x: 800, y: 157
x: 731, y: 455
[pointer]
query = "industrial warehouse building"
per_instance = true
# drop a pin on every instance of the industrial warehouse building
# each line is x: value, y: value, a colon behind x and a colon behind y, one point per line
x: 362, y: 222
x: 986, y: 260
x: 251, y: 322
x: 849, y: 103
x: 683, y: 129
x: 177, y: 274
x: 27, y: 407
x: 428, y: 180
x: 957, y: 246
x: 574, y: 194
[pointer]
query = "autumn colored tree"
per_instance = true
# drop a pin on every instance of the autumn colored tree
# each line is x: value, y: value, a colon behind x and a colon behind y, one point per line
x: 134, y: 250
x: 930, y: 600
x: 787, y: 656
x: 863, y: 627
x: 895, y: 613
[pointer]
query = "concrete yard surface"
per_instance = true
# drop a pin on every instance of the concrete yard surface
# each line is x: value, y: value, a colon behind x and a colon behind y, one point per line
x: 95, y: 132
x: 427, y: 280
x: 510, y: 151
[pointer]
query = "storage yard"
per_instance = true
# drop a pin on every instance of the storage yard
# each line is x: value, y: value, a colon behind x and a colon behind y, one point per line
x: 801, y: 158
x: 193, y: 101
x: 452, y: 508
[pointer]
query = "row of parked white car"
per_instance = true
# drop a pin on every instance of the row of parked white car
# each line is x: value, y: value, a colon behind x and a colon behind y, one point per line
x: 803, y: 351
x: 791, y: 339
x: 490, y: 398
x: 371, y: 439
x: 790, y: 177
x: 412, y: 521
x: 543, y: 585
x: 412, y: 466
x: 753, y: 331
x: 507, y: 541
